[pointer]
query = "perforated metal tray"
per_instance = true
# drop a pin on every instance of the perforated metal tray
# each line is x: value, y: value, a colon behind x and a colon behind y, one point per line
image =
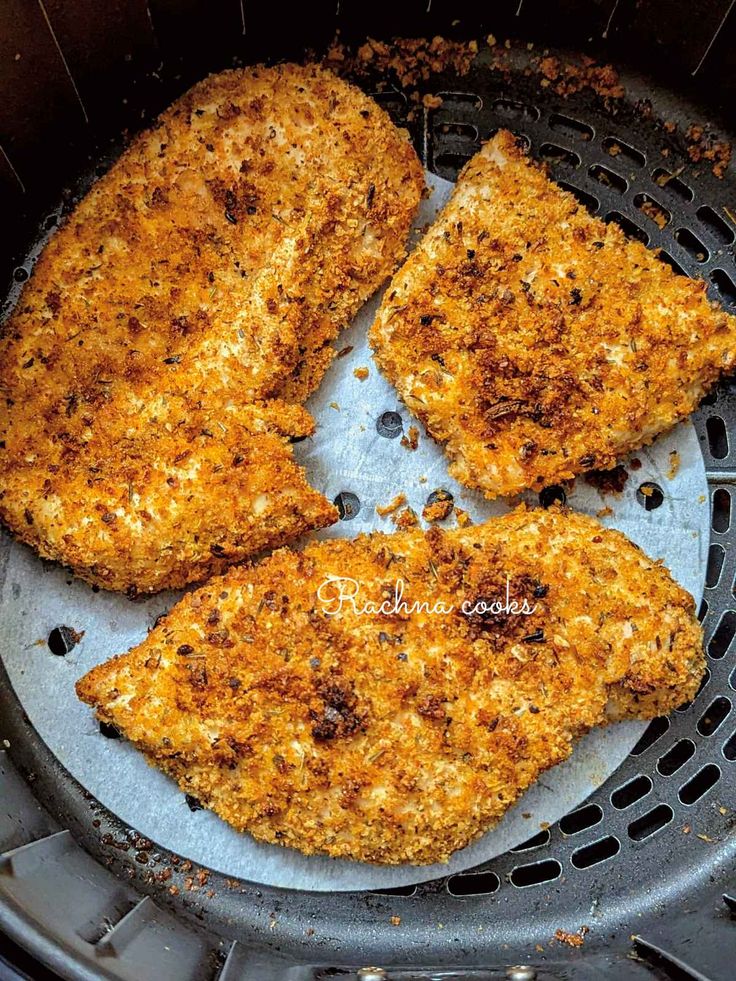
x: 648, y: 856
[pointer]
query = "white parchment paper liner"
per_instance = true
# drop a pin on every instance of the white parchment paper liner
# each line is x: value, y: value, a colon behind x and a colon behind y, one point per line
x: 347, y: 454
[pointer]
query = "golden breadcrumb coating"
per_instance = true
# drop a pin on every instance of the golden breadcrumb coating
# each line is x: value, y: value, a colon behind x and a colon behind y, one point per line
x: 205, y: 273
x: 401, y: 736
x: 537, y: 342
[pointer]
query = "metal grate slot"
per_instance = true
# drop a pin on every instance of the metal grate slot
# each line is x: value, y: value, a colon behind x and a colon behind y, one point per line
x: 699, y: 785
x: 559, y: 154
x: 616, y: 147
x: 599, y: 851
x: 473, y: 884
x: 655, y: 730
x: 721, y: 511
x: 651, y: 822
x: 714, y: 716
x: 629, y: 228
x: 725, y: 286
x: 581, y: 819
x: 716, y: 556
x: 676, y: 757
x: 692, y: 245
x: 716, y: 225
x: 608, y: 178
x: 671, y: 184
x: 575, y: 128
x: 631, y: 792
x: 536, y: 873
x: 724, y: 634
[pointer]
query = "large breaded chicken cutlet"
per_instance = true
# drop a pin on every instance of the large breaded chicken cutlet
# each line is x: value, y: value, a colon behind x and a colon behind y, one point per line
x: 153, y: 370
x: 537, y: 342
x: 396, y: 734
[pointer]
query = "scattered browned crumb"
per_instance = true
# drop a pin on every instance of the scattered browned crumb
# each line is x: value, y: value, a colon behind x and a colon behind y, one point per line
x: 410, y: 60
x: 635, y: 464
x: 604, y: 512
x: 608, y: 481
x: 411, y: 440
x: 462, y: 517
x: 430, y: 101
x: 670, y: 126
x: 393, y: 505
x: 572, y: 939
x: 405, y: 519
x: 705, y: 146
x: 706, y: 838
x: 335, y: 406
x: 656, y: 212
x: 324, y: 732
x: 567, y: 78
x: 361, y: 373
x: 440, y: 508
x: 344, y: 351
x: 686, y: 829
x: 174, y: 890
x: 674, y: 464
x: 395, y: 921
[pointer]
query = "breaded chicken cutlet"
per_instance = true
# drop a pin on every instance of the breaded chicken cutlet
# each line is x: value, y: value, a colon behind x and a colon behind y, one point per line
x: 537, y: 342
x: 154, y: 368
x: 401, y: 734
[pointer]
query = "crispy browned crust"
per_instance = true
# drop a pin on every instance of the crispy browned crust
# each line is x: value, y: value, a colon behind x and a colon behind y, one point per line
x: 401, y: 737
x: 205, y: 273
x: 537, y: 342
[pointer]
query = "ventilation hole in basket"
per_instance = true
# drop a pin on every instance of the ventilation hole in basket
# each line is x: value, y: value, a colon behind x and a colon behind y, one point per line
x: 676, y: 757
x: 729, y: 748
x: 587, y: 200
x: 465, y: 131
x: 673, y: 185
x: 627, y: 226
x: 699, y: 785
x: 714, y: 716
x: 721, y: 639
x: 451, y: 162
x: 516, y: 110
x: 675, y: 266
x: 607, y: 178
x: 617, y: 148
x: 536, y: 873
x: 552, y: 495
x: 692, y: 245
x: 711, y: 398
x: 652, y: 210
x: 651, y: 822
x: 467, y: 100
x: 732, y: 680
x: 406, y: 891
x: 581, y: 819
x: 570, y: 126
x: 473, y: 884
x: 631, y: 792
x: 650, y: 495
x: 724, y: 284
x: 717, y: 437
x: 721, y: 510
x: 389, y: 424
x: 703, y: 683
x: 703, y: 611
x: 534, y: 842
x: 21, y: 274
x: 596, y: 852
x: 716, y: 225
x: 654, y: 731
x: 558, y: 154
x: 347, y: 504
x: 716, y: 555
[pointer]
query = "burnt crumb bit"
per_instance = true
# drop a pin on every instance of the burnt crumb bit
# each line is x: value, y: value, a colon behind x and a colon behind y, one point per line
x: 185, y: 650
x: 426, y: 319
x: 62, y: 640
x: 576, y: 296
x: 432, y: 707
x: 339, y: 717
x: 608, y: 481
x: 193, y: 803
x: 537, y: 637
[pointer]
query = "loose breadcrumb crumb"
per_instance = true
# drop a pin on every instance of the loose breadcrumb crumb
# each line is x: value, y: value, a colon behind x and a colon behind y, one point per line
x: 411, y: 440
x: 361, y: 373
x: 393, y: 505
x: 405, y: 519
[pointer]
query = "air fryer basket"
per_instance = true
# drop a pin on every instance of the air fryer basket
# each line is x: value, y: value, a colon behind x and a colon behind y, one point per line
x: 642, y: 873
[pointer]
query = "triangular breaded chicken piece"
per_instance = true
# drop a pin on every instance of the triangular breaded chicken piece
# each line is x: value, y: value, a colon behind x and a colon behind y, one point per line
x: 397, y: 734
x: 537, y: 342
x: 207, y: 271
